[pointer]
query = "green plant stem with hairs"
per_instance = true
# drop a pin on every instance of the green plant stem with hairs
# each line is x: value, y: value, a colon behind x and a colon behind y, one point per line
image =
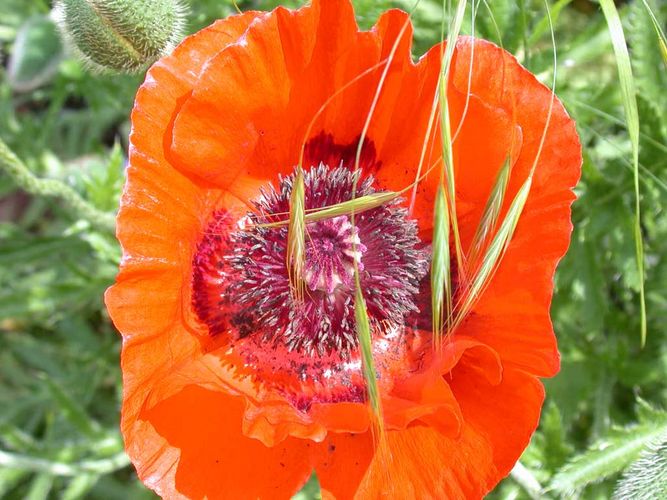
x: 103, y: 466
x: 524, y: 478
x: 26, y: 180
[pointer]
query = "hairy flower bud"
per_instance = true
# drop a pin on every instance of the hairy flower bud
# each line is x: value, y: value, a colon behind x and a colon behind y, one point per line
x: 120, y: 35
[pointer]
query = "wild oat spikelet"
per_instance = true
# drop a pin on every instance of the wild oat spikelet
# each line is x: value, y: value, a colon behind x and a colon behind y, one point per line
x: 296, y: 235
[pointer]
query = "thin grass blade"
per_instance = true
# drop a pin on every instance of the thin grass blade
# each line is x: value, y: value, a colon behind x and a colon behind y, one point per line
x: 355, y: 206
x: 628, y: 94
x: 543, y: 25
x: 441, y: 285
x: 366, y: 348
x: 663, y: 47
x: 662, y: 39
x: 296, y: 235
x: 496, y: 27
x: 360, y: 311
x: 429, y: 135
x: 448, y: 165
x: 473, y: 16
x: 437, y: 98
x: 523, y: 17
x: 627, y: 163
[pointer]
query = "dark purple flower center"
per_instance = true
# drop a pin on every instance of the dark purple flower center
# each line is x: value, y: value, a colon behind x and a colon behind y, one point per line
x: 242, y: 282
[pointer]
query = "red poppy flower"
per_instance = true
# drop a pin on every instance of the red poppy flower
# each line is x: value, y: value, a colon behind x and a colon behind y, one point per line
x: 234, y: 389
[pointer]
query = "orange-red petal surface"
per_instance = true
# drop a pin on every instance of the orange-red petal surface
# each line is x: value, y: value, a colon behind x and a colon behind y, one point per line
x: 159, y: 221
x: 512, y: 316
x: 424, y: 463
x: 216, y: 459
x: 227, y: 112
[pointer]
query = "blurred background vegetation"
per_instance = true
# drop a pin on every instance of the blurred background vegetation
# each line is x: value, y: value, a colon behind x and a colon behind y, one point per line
x: 603, y: 428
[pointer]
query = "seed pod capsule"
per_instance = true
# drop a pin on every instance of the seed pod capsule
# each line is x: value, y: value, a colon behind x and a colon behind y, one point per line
x: 120, y: 35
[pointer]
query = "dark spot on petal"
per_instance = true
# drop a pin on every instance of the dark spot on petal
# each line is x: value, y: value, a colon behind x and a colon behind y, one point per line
x: 324, y: 148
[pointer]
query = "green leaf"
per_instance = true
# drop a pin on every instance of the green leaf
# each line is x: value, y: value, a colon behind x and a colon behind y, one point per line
x: 503, y: 19
x: 589, y: 280
x: 649, y: 67
x: 103, y: 180
x: 53, y: 468
x: 80, y: 486
x: 25, y: 249
x: 542, y: 26
x: 555, y: 444
x: 9, y: 478
x: 40, y: 487
x: 524, y: 32
x: 35, y: 56
x: 610, y: 455
x: 646, y: 479
x: 72, y: 410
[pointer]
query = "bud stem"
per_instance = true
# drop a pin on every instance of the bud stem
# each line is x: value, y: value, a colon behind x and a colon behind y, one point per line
x: 25, y: 179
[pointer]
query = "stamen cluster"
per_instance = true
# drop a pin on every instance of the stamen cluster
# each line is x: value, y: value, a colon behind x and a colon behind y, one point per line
x: 254, y: 277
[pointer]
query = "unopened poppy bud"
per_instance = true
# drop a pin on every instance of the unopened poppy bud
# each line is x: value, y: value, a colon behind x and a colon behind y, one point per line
x: 120, y: 35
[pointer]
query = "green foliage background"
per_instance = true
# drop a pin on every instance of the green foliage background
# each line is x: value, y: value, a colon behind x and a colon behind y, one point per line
x: 59, y: 373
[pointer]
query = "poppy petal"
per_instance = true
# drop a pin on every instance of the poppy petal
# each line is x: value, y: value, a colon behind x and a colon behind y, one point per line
x: 512, y: 315
x: 227, y: 113
x: 158, y: 223
x: 255, y: 100
x: 424, y: 463
x: 214, y: 454
x: 159, y: 219
x: 343, y: 462
x: 252, y: 100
